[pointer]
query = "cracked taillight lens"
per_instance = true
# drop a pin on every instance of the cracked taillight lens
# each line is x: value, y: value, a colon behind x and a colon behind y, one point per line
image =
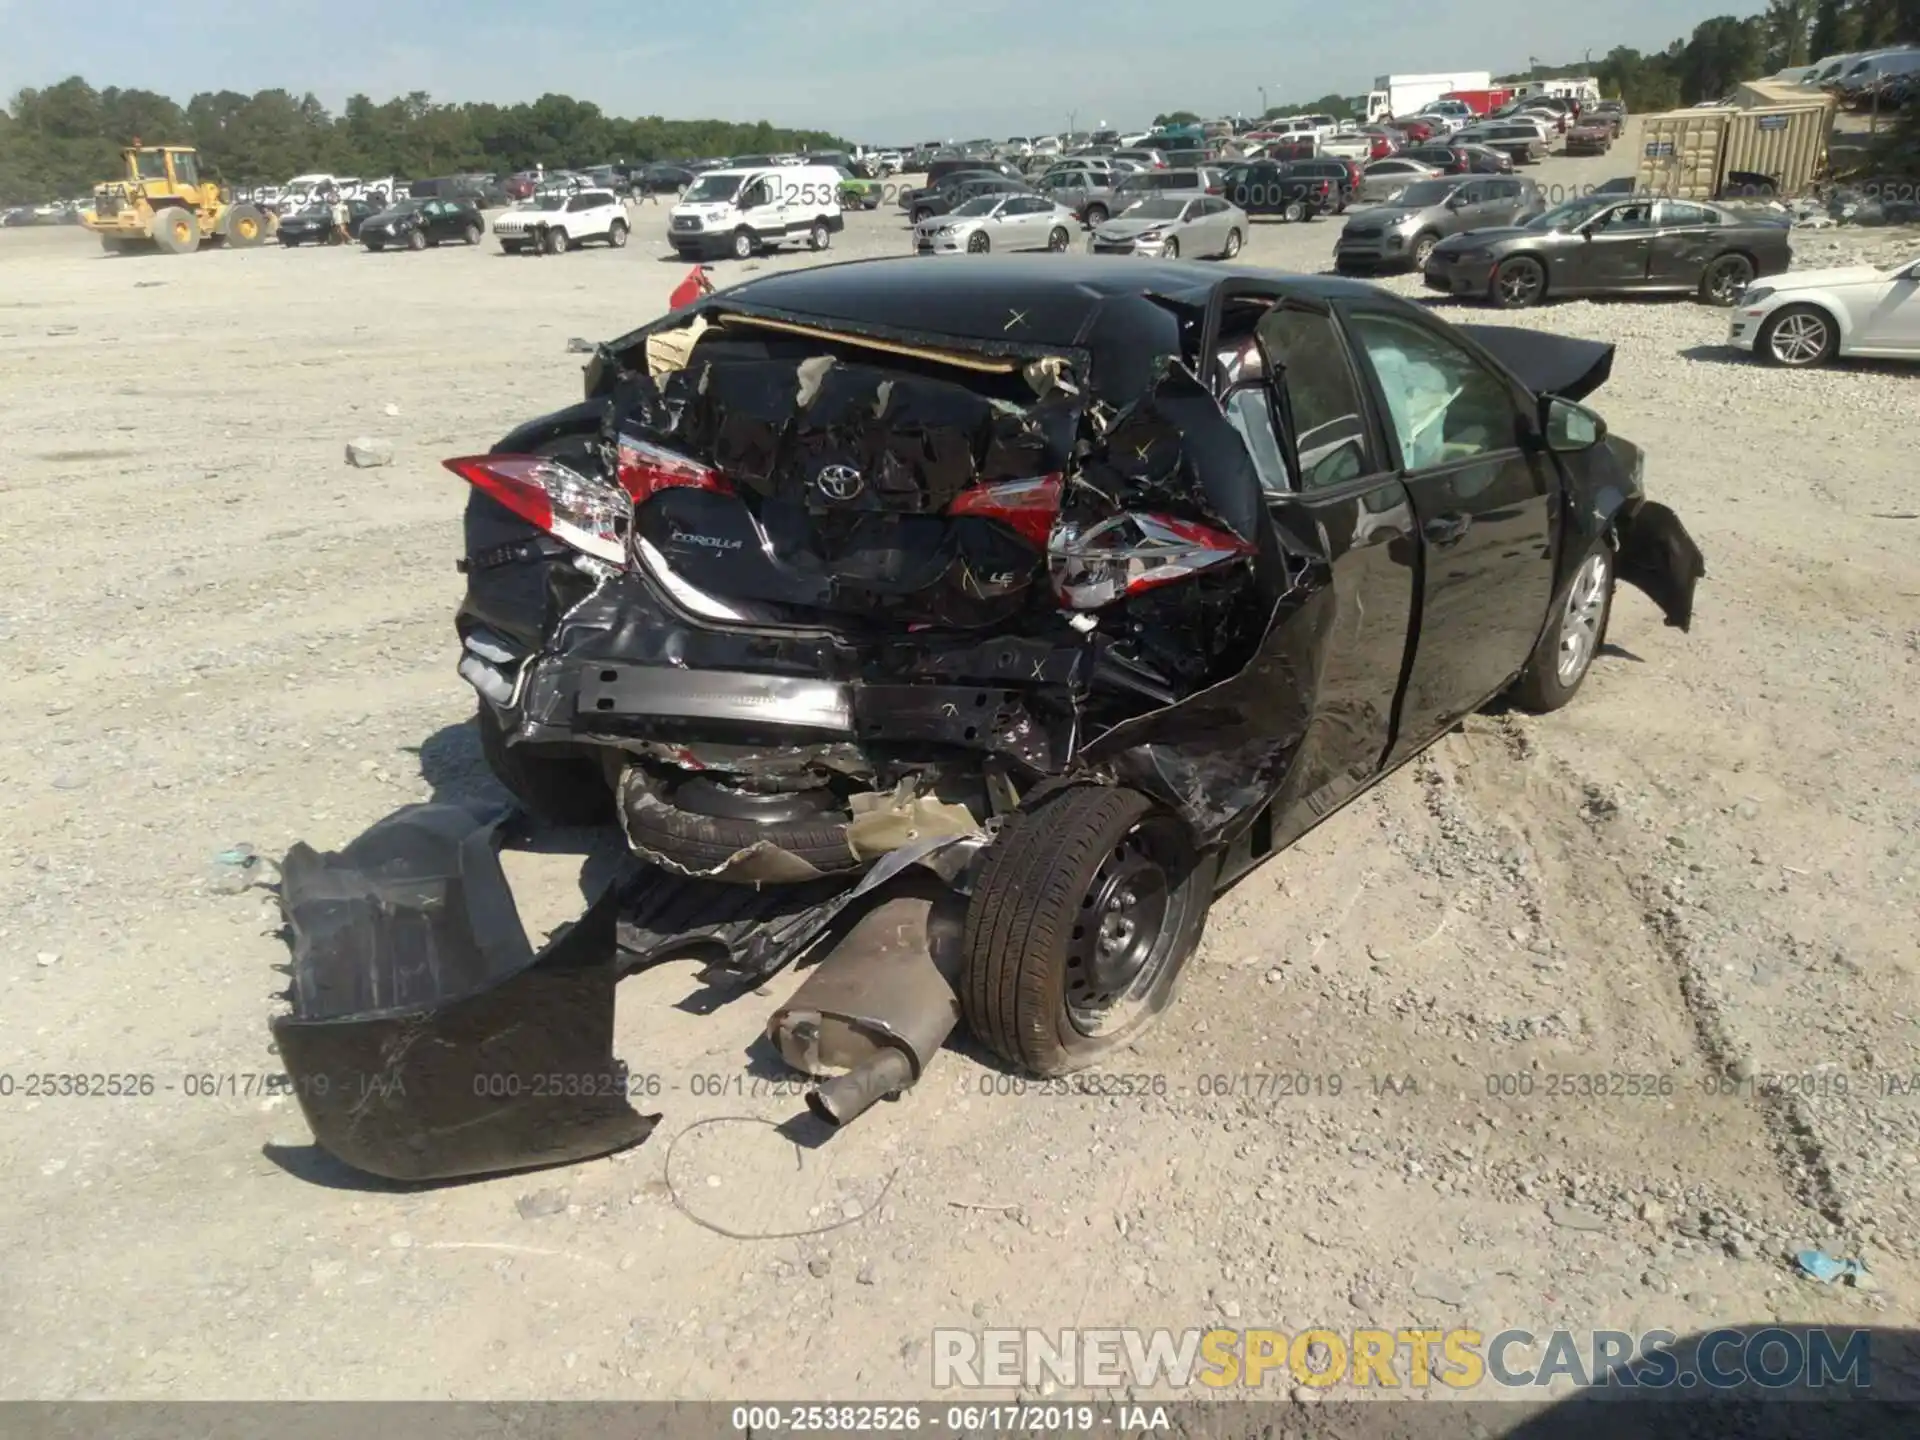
x: 1109, y: 560
x: 590, y: 515
x: 1027, y: 506
x: 645, y: 469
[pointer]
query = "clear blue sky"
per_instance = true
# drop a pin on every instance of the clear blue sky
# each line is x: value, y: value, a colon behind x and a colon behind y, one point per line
x: 873, y: 70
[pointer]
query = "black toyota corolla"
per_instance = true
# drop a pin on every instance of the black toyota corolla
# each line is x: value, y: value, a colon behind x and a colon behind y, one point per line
x: 966, y: 631
x: 1142, y: 575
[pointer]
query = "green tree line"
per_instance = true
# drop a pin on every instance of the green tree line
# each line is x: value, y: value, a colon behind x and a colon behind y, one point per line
x: 59, y: 142
x: 1727, y: 49
x: 1709, y: 63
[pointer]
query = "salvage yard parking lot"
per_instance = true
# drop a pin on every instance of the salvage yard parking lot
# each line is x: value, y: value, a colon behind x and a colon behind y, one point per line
x: 1583, y: 1021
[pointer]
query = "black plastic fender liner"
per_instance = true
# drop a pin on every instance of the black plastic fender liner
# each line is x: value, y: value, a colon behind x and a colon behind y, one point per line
x: 427, y: 1039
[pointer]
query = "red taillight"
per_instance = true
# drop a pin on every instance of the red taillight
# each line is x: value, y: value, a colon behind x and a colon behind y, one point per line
x: 1129, y: 554
x: 1027, y: 506
x: 591, y: 516
x: 646, y: 469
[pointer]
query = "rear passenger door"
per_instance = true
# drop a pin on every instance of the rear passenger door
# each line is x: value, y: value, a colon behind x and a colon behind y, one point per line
x: 1484, y: 499
x: 1330, y: 480
x: 1684, y: 240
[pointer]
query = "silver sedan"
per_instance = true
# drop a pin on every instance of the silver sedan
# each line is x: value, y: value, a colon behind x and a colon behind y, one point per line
x: 1173, y: 225
x: 997, y: 222
x: 1383, y: 180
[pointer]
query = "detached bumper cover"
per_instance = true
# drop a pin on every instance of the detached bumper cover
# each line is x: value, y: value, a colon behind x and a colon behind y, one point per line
x: 427, y: 1039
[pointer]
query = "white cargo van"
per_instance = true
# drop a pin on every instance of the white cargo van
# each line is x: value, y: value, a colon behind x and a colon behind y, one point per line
x: 740, y: 212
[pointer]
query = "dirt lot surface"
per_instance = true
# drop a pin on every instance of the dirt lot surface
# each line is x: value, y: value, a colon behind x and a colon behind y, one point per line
x: 1703, y: 872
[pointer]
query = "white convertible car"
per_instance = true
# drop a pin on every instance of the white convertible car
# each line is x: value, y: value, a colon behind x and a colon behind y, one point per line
x: 1807, y: 317
x: 558, y: 222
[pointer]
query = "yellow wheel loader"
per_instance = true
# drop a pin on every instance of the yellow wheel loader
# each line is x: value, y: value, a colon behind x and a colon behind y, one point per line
x: 162, y: 202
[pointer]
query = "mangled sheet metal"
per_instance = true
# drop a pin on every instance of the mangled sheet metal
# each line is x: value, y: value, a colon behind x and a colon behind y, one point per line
x: 843, y: 490
x: 427, y: 1039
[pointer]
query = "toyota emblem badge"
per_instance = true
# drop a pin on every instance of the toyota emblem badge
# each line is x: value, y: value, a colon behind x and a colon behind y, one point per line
x: 839, y: 482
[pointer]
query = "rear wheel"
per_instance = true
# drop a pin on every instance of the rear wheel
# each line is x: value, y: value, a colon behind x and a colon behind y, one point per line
x: 1295, y: 211
x: 1724, y: 279
x: 820, y: 237
x: 177, y: 230
x: 1565, y: 652
x: 1086, y: 910
x: 246, y: 227
x: 562, y: 790
x: 1096, y: 215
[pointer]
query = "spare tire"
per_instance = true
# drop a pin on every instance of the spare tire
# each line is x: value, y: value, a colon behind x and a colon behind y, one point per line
x: 696, y: 824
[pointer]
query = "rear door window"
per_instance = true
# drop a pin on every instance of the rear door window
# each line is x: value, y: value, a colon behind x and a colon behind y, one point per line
x: 1307, y: 356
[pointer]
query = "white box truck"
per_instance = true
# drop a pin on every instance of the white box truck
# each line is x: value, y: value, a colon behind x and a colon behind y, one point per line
x: 1408, y: 95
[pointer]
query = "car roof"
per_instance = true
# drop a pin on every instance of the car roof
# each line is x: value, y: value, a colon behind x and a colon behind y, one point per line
x: 1055, y: 297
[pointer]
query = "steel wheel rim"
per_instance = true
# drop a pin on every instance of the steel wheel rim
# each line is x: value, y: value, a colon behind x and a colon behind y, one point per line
x: 1580, y: 621
x: 1726, y: 279
x: 1798, y: 339
x: 1518, y: 283
x: 1123, y: 940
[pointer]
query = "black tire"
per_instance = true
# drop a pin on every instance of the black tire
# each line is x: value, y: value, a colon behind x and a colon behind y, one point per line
x: 1423, y: 244
x: 246, y: 227
x: 1817, y: 337
x: 176, y: 230
x: 1294, y: 211
x: 557, y: 242
x: 513, y: 247
x: 290, y: 244
x: 1724, y: 278
x: 471, y: 234
x: 1027, y: 947
x: 1058, y: 239
x: 561, y: 790
x: 978, y: 243
x: 657, y: 827
x: 376, y: 246
x: 1096, y: 215
x: 743, y: 244
x: 918, y: 216
x: 617, y: 234
x: 1517, y: 282
x: 1233, y: 244
x: 416, y: 240
x: 1171, y: 250
x: 819, y: 237
x: 1545, y: 685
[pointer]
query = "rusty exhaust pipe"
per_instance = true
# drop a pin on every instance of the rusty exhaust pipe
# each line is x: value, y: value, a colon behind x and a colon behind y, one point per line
x: 874, y: 1013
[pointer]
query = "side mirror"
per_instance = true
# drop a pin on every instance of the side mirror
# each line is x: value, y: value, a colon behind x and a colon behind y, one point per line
x: 1570, y: 428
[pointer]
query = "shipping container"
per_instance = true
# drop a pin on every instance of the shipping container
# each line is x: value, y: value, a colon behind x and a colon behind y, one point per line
x: 1688, y: 154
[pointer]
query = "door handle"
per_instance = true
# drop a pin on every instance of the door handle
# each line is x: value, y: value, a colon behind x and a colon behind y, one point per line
x: 1446, y: 529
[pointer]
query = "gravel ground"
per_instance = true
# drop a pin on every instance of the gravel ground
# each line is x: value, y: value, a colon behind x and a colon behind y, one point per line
x: 219, y: 633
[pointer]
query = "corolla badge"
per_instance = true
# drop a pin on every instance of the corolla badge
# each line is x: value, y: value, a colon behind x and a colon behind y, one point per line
x: 839, y: 482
